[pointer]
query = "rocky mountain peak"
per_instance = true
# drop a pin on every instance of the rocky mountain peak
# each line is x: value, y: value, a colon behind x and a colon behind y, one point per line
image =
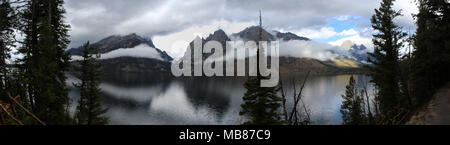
x: 359, y: 47
x: 127, y: 41
x: 289, y: 36
x: 252, y: 34
x: 218, y: 35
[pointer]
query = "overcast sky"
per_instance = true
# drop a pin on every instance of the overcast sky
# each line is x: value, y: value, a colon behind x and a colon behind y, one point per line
x: 169, y: 21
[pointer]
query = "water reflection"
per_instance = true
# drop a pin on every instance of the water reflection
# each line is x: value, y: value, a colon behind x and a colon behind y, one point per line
x: 162, y: 100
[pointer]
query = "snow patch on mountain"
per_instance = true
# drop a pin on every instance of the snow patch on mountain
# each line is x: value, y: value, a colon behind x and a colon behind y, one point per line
x: 139, y: 51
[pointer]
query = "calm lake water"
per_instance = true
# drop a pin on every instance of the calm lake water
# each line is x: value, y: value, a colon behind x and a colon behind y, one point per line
x: 156, y: 99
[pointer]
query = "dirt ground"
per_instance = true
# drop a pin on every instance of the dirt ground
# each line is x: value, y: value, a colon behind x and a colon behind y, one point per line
x: 437, y: 112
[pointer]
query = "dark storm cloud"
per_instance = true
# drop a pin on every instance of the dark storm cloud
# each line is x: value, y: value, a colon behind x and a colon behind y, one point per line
x: 96, y: 19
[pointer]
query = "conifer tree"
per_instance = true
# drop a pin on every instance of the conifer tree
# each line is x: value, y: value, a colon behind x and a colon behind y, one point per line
x: 45, y: 62
x: 385, y: 58
x: 431, y: 56
x: 7, y: 21
x: 352, y: 108
x: 89, y: 109
x: 261, y: 104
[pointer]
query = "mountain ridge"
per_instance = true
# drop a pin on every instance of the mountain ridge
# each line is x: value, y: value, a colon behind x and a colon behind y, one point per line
x: 115, y: 42
x: 129, y: 53
x: 137, y: 64
x: 287, y: 64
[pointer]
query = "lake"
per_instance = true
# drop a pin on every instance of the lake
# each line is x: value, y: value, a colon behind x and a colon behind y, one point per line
x: 157, y: 99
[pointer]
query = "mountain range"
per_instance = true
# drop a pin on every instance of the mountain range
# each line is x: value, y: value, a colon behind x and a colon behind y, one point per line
x: 288, y: 65
x: 133, y: 53
x: 252, y: 34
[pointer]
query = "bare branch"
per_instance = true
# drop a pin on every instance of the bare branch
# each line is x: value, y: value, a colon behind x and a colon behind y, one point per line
x: 26, y: 110
x: 10, y: 115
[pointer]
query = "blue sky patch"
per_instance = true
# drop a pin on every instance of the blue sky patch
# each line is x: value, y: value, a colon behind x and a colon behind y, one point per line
x: 340, y: 24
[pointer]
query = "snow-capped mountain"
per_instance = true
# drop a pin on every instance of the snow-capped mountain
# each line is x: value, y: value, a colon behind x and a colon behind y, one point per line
x: 131, y: 45
x: 358, y: 52
x: 129, y: 53
x: 133, y: 53
x: 288, y: 63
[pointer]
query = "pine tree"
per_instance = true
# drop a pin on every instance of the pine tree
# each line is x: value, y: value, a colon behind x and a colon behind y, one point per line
x: 352, y: 108
x: 7, y: 21
x: 261, y: 105
x: 431, y: 56
x: 45, y: 62
x: 89, y: 109
x: 385, y: 63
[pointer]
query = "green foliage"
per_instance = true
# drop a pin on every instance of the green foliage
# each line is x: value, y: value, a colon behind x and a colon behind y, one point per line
x: 261, y: 104
x: 7, y: 23
x: 89, y: 109
x: 385, y: 70
x: 43, y: 67
x: 353, y: 105
x: 431, y: 58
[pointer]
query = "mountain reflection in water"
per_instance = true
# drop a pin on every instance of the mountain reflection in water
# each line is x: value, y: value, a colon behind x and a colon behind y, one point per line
x: 158, y: 99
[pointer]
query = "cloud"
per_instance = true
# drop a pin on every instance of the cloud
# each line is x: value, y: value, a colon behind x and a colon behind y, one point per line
x: 310, y: 49
x: 175, y: 104
x: 104, y: 17
x: 357, y: 39
x: 346, y: 18
x: 325, y: 33
x: 408, y: 8
x: 342, y: 18
x: 168, y: 21
x: 175, y: 44
x: 140, y: 51
x: 297, y: 49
